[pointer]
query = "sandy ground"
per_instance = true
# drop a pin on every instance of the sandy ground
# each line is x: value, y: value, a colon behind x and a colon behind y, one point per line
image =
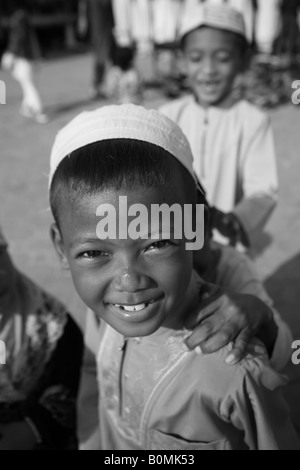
x: 25, y: 216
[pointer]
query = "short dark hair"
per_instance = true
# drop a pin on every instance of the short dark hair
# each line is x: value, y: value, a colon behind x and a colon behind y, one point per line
x: 116, y: 163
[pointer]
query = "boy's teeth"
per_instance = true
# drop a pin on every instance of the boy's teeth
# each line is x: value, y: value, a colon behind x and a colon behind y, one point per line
x: 132, y: 308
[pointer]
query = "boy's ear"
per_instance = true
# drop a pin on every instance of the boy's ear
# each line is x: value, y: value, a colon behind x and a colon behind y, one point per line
x: 59, y: 245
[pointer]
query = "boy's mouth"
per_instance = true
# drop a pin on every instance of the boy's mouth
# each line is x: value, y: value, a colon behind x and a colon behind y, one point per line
x: 136, y: 307
x: 209, y: 86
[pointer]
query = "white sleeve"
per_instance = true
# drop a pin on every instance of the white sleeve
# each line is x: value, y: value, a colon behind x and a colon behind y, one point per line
x: 259, y: 177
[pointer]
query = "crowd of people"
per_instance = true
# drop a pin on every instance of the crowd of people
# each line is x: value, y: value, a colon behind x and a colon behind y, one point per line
x: 182, y: 349
x: 123, y: 33
x: 151, y: 28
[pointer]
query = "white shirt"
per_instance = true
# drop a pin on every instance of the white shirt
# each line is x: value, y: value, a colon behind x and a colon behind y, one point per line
x: 234, y: 156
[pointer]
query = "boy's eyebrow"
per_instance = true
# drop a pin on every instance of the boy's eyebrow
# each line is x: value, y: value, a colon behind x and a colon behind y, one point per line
x: 161, y: 231
x: 84, y: 241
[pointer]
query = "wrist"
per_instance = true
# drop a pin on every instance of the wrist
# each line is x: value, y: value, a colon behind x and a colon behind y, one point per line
x: 241, y: 233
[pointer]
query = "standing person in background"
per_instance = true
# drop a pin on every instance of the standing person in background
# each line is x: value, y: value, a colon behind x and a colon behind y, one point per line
x: 267, y: 26
x: 133, y: 20
x: 22, y: 50
x: 288, y: 40
x: 101, y: 21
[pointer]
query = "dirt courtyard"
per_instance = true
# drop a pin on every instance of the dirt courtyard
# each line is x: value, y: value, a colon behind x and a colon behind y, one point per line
x: 25, y: 216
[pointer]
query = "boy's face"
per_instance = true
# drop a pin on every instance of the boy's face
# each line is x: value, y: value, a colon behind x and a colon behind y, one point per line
x: 136, y: 286
x: 7, y: 273
x: 212, y: 60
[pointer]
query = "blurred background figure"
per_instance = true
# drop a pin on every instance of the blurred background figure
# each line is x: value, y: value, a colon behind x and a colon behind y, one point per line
x: 98, y: 16
x: 267, y: 24
x: 123, y: 84
x: 22, y: 51
x: 287, y: 44
x: 152, y: 27
x: 133, y: 31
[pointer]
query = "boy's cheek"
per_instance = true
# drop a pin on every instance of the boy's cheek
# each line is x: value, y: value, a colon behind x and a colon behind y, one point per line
x: 88, y: 288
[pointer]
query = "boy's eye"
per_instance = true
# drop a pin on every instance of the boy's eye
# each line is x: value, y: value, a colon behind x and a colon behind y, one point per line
x: 195, y: 57
x: 159, y: 245
x: 92, y: 254
x: 224, y: 56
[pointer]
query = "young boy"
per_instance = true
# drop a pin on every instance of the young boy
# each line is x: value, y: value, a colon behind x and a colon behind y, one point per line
x: 137, y: 276
x: 231, y: 140
x: 39, y: 375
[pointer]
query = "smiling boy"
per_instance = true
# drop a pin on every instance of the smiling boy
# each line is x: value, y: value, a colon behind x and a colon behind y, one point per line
x: 153, y: 392
x: 231, y: 140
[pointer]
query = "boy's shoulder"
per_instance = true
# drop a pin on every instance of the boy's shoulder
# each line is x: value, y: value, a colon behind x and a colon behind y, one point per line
x: 254, y: 367
x: 250, y: 113
x: 175, y: 107
x: 230, y: 259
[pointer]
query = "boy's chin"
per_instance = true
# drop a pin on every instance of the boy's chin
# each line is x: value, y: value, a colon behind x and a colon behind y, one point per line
x: 217, y: 99
x: 136, y: 330
x: 210, y: 100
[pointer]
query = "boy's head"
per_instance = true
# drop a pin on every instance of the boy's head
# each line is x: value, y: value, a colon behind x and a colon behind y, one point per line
x: 214, y: 49
x: 110, y: 170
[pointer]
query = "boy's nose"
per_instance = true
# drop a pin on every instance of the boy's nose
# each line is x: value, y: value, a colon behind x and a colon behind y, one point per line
x: 208, y: 65
x: 129, y: 280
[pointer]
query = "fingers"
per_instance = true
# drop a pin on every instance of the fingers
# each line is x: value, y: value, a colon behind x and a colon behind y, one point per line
x: 240, y: 347
x: 208, y: 305
x: 210, y: 336
x: 200, y: 334
x: 217, y: 341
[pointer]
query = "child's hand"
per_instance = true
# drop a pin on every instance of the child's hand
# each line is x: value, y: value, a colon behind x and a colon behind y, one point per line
x: 230, y: 227
x: 16, y: 436
x: 228, y: 317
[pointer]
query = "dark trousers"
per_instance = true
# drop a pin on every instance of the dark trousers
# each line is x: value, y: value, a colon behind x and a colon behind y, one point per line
x: 101, y: 24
